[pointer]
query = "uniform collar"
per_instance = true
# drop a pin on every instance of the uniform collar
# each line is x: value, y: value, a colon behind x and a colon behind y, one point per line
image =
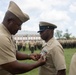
x: 49, y: 42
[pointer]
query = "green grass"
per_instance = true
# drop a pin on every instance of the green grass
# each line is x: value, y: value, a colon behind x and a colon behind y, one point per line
x: 68, y: 55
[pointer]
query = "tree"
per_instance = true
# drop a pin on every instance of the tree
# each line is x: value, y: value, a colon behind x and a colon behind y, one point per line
x: 58, y: 34
x: 67, y: 34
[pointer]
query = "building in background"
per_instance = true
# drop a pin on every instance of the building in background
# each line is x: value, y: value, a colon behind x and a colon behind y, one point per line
x: 27, y: 36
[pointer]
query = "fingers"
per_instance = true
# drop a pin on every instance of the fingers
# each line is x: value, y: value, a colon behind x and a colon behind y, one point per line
x: 43, y: 58
x: 35, y: 56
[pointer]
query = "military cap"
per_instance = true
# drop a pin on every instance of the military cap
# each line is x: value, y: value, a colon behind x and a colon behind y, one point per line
x: 45, y: 25
x: 14, y: 8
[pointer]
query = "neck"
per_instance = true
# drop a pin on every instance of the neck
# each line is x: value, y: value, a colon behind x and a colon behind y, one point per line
x: 48, y: 39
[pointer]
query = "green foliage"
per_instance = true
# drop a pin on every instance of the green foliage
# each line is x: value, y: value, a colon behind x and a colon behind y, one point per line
x: 68, y: 55
x: 67, y: 34
x: 58, y: 34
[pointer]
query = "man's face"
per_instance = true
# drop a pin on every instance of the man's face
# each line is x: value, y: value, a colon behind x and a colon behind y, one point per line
x: 44, y: 34
x: 14, y: 26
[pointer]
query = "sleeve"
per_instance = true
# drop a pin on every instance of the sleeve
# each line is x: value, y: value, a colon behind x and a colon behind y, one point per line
x: 7, y: 50
x: 58, y: 58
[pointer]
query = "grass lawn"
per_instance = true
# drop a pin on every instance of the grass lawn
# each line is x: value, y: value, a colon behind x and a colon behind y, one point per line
x: 68, y: 55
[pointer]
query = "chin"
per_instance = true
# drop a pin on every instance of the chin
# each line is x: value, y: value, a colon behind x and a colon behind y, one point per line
x: 13, y: 33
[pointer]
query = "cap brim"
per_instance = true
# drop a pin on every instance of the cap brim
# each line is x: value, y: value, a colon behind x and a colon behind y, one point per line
x: 40, y: 31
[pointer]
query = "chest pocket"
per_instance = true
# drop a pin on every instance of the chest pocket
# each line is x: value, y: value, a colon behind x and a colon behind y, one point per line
x: 49, y: 62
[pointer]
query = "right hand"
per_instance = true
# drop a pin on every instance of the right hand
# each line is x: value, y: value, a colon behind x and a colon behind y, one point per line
x: 42, y: 60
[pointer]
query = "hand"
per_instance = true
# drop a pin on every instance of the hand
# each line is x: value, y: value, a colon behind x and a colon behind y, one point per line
x: 35, y: 57
x: 42, y: 60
